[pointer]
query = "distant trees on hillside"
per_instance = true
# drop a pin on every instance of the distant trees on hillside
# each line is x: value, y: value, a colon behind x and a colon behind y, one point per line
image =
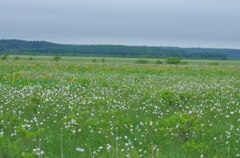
x: 42, y: 47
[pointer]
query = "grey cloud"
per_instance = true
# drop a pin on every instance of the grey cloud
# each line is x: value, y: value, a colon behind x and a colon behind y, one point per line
x: 152, y: 22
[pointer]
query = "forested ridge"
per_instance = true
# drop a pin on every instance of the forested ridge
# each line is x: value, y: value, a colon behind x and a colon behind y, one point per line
x: 42, y: 47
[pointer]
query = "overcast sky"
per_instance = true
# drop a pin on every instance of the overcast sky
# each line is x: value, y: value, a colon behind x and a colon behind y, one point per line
x: 182, y: 23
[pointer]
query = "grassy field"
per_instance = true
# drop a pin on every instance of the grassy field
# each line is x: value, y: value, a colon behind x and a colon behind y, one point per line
x: 78, y: 107
x: 116, y: 60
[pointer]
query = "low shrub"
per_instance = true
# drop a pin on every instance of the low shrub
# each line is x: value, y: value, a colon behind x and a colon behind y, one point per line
x: 213, y: 63
x: 4, y: 57
x: 16, y: 58
x: 142, y: 61
x: 57, y: 58
x: 173, y: 60
x: 184, y: 63
x: 158, y: 62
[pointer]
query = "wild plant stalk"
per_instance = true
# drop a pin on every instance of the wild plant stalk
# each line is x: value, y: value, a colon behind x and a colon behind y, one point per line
x: 153, y: 147
x: 39, y: 155
x: 61, y: 146
x: 156, y: 151
x: 229, y: 141
x: 90, y: 151
x: 117, y: 148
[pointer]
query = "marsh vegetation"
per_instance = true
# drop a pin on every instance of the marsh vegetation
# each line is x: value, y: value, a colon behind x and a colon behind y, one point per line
x: 81, y: 108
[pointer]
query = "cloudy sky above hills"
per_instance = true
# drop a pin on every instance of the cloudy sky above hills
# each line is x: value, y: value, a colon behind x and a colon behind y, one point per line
x: 182, y: 23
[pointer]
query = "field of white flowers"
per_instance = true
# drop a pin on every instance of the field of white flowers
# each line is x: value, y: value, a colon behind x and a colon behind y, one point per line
x: 56, y: 110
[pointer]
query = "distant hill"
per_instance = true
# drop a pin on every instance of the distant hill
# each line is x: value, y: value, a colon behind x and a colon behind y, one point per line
x: 42, y: 47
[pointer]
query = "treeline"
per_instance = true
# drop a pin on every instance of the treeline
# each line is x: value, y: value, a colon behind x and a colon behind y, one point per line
x: 43, y: 47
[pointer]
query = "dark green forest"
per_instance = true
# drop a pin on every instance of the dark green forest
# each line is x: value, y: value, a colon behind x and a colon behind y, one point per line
x: 47, y: 48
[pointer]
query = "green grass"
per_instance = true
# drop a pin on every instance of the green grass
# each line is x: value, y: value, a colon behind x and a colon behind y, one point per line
x: 80, y: 108
x: 117, y: 60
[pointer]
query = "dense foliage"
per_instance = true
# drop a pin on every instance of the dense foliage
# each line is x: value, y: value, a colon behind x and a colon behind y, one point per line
x: 42, y: 47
